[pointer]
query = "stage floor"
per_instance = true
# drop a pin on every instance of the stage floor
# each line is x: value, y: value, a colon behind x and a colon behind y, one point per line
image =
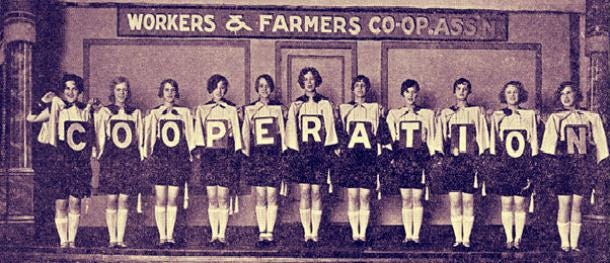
x: 539, y: 245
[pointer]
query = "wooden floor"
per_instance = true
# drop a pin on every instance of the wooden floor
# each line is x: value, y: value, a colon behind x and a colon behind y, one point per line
x: 539, y: 245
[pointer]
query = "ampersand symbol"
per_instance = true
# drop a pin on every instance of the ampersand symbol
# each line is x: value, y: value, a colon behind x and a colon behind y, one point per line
x: 235, y: 24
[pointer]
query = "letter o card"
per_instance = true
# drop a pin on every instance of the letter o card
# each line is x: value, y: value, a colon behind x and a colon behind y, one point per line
x: 216, y: 134
x: 410, y: 135
x: 463, y: 139
x: 360, y: 135
x: 266, y: 131
x: 122, y: 133
x: 514, y: 143
x: 312, y: 129
x: 171, y: 132
x: 576, y: 137
x: 76, y: 133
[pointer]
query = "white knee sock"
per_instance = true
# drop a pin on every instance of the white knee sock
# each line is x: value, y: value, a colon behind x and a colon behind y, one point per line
x: 353, y: 217
x: 418, y: 218
x: 73, y: 220
x: 467, y: 222
x: 223, y: 221
x: 160, y: 220
x: 172, y: 212
x: 261, y: 218
x: 574, y: 234
x: 407, y: 222
x: 519, y: 225
x: 271, y: 217
x: 306, y: 222
x: 456, y: 224
x: 564, y: 232
x: 121, y: 224
x: 111, y: 223
x: 61, y: 223
x: 316, y: 218
x: 213, y: 217
x: 364, y: 222
x: 507, y: 222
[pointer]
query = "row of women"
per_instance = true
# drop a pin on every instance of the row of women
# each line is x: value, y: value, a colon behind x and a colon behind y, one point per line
x: 363, y: 145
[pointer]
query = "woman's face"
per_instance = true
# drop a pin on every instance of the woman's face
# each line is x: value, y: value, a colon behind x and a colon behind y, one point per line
x: 511, y: 94
x: 461, y: 91
x: 309, y: 82
x: 169, y: 93
x: 220, y: 90
x: 264, y: 91
x: 360, y: 89
x: 70, y: 91
x: 121, y: 92
x: 410, y: 95
x: 568, y: 97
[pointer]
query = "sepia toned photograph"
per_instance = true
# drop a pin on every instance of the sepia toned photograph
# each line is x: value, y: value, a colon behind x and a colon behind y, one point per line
x: 317, y: 131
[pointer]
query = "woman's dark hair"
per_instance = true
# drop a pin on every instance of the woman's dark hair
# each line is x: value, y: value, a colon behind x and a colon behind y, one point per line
x: 117, y: 81
x: 315, y: 74
x: 171, y: 82
x: 214, y: 80
x: 575, y: 88
x: 409, y: 83
x: 463, y: 81
x: 364, y: 79
x: 78, y: 82
x: 523, y: 94
x: 267, y: 78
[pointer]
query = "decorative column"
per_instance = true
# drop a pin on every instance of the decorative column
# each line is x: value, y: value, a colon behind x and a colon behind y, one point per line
x: 16, y: 174
x: 597, y: 46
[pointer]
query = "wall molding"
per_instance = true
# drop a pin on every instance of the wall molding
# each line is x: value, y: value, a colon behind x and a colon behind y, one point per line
x: 387, y: 45
x: 245, y: 44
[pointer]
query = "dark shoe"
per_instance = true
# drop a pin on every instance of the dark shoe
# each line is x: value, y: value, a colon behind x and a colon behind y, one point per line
x: 221, y: 243
x: 212, y: 242
x: 509, y: 246
x: 467, y: 246
x: 416, y: 243
x: 565, y: 249
x: 261, y: 244
x: 271, y: 243
x: 112, y: 245
x: 311, y: 244
x: 315, y: 244
x: 358, y: 243
x: 170, y: 244
x: 120, y: 245
x: 71, y: 244
x: 162, y: 244
x: 456, y: 245
x: 517, y: 245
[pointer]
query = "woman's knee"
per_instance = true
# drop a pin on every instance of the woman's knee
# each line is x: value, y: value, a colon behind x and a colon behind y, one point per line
x: 316, y: 196
x: 507, y: 203
x: 74, y: 205
x: 271, y: 197
x: 111, y: 202
x: 519, y: 204
x: 261, y: 196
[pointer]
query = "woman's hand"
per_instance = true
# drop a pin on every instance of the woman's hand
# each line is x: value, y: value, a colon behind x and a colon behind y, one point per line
x: 94, y: 103
x: 48, y: 97
x: 338, y: 151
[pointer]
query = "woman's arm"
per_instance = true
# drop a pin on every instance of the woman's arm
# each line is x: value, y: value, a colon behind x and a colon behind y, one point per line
x: 41, y: 117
